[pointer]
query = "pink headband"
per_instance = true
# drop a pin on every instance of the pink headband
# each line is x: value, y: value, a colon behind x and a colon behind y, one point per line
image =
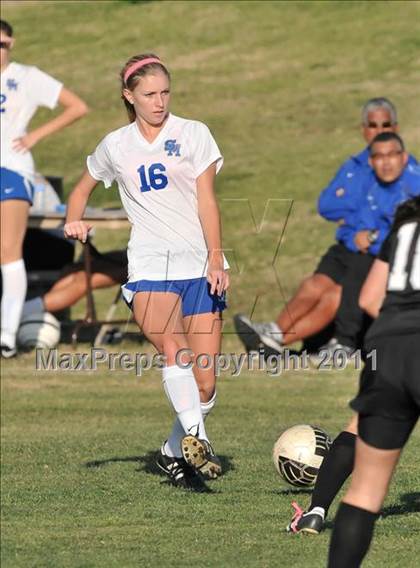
x: 138, y: 65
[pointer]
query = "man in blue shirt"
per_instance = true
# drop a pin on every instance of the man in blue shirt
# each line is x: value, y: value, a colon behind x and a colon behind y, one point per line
x: 317, y: 300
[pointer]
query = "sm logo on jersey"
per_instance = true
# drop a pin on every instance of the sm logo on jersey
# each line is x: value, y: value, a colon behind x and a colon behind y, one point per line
x: 172, y: 148
x: 11, y: 85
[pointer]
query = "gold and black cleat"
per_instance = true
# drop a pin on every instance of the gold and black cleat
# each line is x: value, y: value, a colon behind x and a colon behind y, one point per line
x: 201, y: 457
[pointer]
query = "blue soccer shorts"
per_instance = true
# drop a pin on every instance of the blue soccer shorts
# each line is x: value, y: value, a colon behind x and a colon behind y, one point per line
x: 194, y: 293
x: 15, y: 186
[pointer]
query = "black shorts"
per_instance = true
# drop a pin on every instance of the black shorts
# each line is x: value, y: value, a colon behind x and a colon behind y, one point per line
x: 112, y: 263
x: 335, y: 262
x: 388, y: 402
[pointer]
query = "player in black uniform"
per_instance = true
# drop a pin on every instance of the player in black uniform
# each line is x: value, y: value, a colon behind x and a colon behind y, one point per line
x: 388, y: 402
x: 339, y: 462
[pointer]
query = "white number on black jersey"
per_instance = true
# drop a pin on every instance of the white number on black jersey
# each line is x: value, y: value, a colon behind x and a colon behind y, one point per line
x: 404, y: 272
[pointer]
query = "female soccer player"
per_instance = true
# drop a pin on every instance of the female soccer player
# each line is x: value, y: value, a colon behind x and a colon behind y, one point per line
x: 395, y: 184
x: 388, y: 402
x: 23, y: 89
x: 165, y: 167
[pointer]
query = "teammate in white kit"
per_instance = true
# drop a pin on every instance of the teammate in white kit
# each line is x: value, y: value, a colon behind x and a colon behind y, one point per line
x: 23, y: 89
x: 165, y: 168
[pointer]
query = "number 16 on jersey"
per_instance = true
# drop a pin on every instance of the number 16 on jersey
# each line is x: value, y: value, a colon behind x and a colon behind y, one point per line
x: 153, y: 177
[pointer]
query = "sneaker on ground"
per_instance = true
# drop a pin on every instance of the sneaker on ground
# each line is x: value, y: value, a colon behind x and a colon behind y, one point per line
x: 305, y: 522
x: 8, y: 352
x: 179, y: 473
x: 256, y: 336
x: 328, y: 353
x: 334, y: 345
x: 200, y: 455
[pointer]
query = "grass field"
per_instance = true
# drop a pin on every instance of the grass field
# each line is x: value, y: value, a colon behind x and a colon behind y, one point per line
x: 281, y: 85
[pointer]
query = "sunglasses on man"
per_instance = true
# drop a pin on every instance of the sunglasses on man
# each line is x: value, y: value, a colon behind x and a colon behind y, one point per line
x: 379, y: 125
x: 4, y: 44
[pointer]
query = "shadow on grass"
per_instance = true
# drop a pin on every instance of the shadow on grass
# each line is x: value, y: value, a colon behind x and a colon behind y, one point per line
x: 409, y: 503
x: 101, y: 463
x: 147, y: 464
x: 292, y: 492
x: 137, y: 1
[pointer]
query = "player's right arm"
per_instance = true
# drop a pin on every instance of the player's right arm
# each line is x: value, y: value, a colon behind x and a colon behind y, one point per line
x: 75, y: 227
x: 99, y: 168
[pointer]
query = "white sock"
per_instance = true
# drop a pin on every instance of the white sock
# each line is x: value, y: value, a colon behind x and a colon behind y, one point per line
x: 182, y: 391
x: 34, y: 306
x: 172, y: 446
x: 13, y: 297
x: 206, y: 407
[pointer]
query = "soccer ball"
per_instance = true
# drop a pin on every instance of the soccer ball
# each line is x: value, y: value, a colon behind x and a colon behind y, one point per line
x: 38, y: 330
x: 299, y: 452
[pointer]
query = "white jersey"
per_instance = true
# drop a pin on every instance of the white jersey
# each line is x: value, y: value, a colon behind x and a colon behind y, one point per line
x: 23, y: 89
x: 158, y: 190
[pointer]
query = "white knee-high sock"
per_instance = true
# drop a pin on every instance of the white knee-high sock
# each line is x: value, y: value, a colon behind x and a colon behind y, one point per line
x: 172, y: 446
x: 206, y: 407
x: 13, y: 297
x: 182, y: 391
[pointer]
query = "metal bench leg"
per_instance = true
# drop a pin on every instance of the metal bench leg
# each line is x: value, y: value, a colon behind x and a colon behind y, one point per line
x: 110, y: 314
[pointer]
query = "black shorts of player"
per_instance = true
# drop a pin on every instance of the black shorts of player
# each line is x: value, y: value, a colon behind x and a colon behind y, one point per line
x: 112, y: 263
x: 335, y: 262
x: 388, y: 402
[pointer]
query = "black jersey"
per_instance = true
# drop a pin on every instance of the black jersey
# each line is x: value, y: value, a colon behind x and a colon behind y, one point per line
x: 400, y: 312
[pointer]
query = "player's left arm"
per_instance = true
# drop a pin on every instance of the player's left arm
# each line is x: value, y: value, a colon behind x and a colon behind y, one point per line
x: 373, y: 290
x: 209, y: 214
x: 74, y: 108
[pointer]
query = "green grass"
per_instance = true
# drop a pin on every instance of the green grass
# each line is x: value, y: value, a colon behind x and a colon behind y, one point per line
x: 79, y: 487
x: 281, y: 85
